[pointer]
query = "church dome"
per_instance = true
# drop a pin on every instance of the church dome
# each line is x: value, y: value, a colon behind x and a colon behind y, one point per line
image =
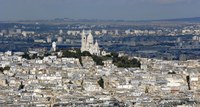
x: 90, y: 38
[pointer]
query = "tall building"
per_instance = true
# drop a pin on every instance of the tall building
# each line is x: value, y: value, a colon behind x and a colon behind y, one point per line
x: 54, y: 46
x: 60, y: 32
x: 87, y: 44
x: 49, y: 39
x: 59, y: 39
x: 116, y: 32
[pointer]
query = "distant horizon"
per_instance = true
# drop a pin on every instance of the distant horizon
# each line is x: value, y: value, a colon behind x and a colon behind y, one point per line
x: 163, y: 19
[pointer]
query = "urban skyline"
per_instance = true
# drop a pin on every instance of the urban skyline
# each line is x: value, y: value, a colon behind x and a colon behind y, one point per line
x: 99, y: 53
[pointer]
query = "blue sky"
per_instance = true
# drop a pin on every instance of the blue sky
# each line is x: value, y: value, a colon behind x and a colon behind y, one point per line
x: 98, y: 9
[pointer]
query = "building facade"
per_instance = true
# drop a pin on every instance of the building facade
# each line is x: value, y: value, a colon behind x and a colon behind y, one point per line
x: 87, y: 44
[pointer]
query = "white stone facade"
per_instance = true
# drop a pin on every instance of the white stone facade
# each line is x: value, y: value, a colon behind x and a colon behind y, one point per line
x: 87, y: 44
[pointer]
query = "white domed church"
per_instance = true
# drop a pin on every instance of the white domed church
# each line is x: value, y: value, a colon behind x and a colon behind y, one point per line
x: 87, y: 44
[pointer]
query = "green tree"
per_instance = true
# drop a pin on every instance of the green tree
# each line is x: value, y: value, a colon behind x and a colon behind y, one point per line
x: 97, y: 59
x: 101, y: 82
x: 7, y: 68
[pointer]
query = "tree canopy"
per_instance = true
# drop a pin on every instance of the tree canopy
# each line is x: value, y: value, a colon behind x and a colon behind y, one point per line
x: 123, y: 61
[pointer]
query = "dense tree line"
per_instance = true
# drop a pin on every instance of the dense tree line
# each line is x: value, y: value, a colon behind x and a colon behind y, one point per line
x: 123, y: 61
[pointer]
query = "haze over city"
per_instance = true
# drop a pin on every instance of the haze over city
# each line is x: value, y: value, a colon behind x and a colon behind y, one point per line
x: 98, y: 9
x: 99, y: 53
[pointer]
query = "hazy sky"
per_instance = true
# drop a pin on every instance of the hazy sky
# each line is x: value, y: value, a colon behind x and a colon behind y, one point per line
x: 98, y: 9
